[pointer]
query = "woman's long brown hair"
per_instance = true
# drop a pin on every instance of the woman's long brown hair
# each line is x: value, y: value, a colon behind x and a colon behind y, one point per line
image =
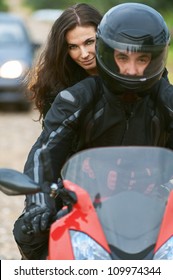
x: 55, y: 70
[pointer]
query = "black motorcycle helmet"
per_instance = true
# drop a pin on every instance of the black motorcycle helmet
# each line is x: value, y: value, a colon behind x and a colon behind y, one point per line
x: 131, y: 27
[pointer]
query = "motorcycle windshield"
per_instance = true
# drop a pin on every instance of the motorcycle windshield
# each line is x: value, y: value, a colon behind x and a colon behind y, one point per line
x: 126, y: 187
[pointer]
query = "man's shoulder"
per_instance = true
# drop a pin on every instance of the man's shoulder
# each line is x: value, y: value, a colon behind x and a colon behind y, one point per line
x: 165, y: 85
x: 165, y: 94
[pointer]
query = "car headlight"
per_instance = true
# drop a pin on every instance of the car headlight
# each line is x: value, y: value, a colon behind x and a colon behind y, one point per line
x: 166, y: 251
x: 85, y: 248
x: 12, y: 69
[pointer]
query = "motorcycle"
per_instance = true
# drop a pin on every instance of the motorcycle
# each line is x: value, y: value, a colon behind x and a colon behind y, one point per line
x: 118, y: 204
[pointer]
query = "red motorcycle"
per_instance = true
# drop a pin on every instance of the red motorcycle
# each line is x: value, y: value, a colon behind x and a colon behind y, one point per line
x: 118, y: 204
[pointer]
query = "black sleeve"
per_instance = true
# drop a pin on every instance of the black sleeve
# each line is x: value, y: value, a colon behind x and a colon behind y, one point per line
x: 61, y: 125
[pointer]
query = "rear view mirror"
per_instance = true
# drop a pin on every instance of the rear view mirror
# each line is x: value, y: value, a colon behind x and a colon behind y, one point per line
x: 13, y: 182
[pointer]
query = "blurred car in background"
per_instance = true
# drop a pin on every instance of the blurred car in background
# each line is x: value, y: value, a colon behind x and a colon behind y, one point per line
x: 16, y: 57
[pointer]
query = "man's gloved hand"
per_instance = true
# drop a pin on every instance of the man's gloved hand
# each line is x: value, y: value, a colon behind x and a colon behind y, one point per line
x: 40, y: 209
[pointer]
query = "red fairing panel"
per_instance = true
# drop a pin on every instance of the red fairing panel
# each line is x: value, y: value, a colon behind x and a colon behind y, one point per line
x: 166, y: 229
x: 82, y: 218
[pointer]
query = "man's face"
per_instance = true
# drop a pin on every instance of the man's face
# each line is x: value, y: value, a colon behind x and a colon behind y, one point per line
x: 132, y: 63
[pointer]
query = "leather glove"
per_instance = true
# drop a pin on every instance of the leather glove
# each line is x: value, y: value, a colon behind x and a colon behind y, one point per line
x: 39, y: 212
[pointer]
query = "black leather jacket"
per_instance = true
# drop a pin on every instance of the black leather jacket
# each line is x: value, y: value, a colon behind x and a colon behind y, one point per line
x: 88, y: 115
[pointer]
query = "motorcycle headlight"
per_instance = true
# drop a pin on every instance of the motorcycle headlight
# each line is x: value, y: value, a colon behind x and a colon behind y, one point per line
x: 85, y: 248
x: 166, y: 251
x: 12, y: 69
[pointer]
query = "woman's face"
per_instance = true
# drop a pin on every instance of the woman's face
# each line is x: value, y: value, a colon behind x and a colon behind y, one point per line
x: 81, y: 47
x: 132, y: 63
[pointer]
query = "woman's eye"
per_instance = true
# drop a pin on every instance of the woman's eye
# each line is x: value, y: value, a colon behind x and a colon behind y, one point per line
x: 72, y: 47
x: 90, y: 42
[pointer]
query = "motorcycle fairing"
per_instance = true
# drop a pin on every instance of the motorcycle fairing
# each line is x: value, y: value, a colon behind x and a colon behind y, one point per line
x: 83, y: 217
x: 137, y: 174
x: 131, y: 221
x: 166, y: 228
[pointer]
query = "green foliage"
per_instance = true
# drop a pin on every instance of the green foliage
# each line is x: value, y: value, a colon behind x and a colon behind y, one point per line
x: 160, y: 5
x: 3, y: 6
x: 45, y: 4
x: 103, y: 6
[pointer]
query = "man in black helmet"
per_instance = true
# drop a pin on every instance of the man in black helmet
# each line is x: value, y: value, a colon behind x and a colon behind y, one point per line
x: 132, y: 28
x: 130, y: 103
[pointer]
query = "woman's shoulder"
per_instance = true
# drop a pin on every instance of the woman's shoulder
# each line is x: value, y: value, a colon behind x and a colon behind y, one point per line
x: 91, y: 82
x: 79, y: 95
x: 89, y: 87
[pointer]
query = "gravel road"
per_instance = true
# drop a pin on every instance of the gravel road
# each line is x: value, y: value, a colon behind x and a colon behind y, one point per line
x: 18, y: 133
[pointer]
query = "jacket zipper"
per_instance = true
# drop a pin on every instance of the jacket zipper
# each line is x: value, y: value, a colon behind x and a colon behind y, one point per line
x: 127, y: 121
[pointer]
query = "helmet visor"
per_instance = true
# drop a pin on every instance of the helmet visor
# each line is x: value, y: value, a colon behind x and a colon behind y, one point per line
x: 131, y: 62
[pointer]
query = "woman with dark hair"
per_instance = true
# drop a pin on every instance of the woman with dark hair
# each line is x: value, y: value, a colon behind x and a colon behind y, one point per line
x: 68, y: 57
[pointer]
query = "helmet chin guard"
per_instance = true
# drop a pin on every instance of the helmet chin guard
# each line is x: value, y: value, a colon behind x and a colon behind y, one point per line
x: 131, y: 28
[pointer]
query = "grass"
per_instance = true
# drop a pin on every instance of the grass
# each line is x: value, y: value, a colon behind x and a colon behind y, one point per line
x: 170, y: 64
x: 169, y: 20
